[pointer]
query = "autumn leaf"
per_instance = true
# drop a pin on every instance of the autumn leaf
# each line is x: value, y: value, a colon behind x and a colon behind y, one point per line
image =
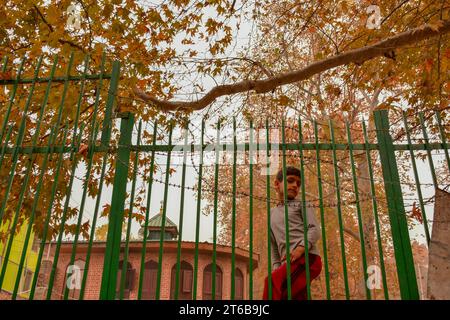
x: 284, y: 100
x: 416, y: 213
x: 106, y: 210
x: 429, y: 65
x: 53, y: 15
x: 5, y: 75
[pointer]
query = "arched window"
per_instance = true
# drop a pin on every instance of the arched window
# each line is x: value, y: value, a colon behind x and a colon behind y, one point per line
x: 207, y: 282
x: 149, y: 282
x: 129, y: 280
x: 74, y: 277
x: 238, y: 285
x: 184, y: 281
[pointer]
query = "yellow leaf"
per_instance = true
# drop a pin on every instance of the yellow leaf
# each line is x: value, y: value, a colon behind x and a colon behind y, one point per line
x: 53, y: 15
x: 5, y: 75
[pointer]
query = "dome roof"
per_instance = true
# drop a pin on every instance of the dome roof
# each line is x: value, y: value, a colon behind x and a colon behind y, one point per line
x: 156, y: 221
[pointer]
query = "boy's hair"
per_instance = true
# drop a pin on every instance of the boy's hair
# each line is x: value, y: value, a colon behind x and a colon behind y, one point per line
x: 290, y: 171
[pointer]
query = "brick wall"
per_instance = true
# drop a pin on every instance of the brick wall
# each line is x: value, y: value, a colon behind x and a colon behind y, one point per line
x: 92, y: 291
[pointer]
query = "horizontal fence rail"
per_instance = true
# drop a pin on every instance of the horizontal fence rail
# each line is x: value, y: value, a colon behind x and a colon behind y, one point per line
x: 240, y: 147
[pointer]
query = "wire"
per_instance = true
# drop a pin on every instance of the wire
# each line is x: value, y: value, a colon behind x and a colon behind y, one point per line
x: 211, y: 189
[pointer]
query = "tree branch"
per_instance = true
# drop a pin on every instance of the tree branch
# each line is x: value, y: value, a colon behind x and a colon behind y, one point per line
x: 352, y: 234
x: 43, y: 19
x: 357, y: 56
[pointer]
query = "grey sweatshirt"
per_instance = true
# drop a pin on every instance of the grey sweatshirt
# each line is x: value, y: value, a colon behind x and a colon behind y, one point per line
x: 296, y: 228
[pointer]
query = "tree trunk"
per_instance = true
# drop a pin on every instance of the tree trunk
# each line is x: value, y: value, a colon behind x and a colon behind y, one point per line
x: 439, y: 251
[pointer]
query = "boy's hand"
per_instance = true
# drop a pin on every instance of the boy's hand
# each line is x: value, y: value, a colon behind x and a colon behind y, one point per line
x: 295, y: 254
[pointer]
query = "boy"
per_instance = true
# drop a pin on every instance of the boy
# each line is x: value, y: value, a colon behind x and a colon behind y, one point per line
x: 296, y: 239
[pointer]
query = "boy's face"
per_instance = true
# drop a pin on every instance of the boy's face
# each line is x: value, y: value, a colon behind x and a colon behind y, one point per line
x: 293, y: 187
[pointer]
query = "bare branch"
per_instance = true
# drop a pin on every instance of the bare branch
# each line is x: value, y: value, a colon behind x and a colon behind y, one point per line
x: 357, y: 56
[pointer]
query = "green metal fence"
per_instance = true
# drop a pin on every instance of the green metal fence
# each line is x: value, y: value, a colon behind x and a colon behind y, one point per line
x: 42, y: 150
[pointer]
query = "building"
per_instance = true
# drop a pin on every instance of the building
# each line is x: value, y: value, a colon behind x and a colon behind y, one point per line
x: 169, y: 264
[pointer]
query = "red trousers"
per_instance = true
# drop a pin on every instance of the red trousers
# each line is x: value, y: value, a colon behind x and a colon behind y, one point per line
x: 298, y: 279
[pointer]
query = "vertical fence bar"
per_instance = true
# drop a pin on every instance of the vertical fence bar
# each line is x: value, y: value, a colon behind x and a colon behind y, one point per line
x: 375, y: 211
x: 80, y: 96
x: 14, y: 160
x: 396, y: 209
x: 416, y: 178
x: 35, y: 202
x: 163, y: 222
x: 61, y: 231
x: 20, y: 134
x: 97, y: 99
x: 69, y: 191
x: 269, y: 245
x: 113, y: 241
x: 112, y: 92
x: 5, y: 145
x: 130, y: 215
x: 181, y: 220
x: 87, y: 178
x: 233, y: 217
x: 65, y: 88
x: 286, y: 213
x: 304, y: 215
x: 94, y: 224
x: 216, y: 191
x: 339, y: 211
x: 19, y: 141
x: 197, y: 224
x: 322, y: 213
x: 11, y: 98
x: 251, y: 212
x: 147, y: 211
x: 358, y: 209
x: 75, y: 146
x: 5, y: 63
x: 443, y: 139
x: 102, y: 175
x: 91, y: 141
x: 30, y: 223
x: 427, y: 145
